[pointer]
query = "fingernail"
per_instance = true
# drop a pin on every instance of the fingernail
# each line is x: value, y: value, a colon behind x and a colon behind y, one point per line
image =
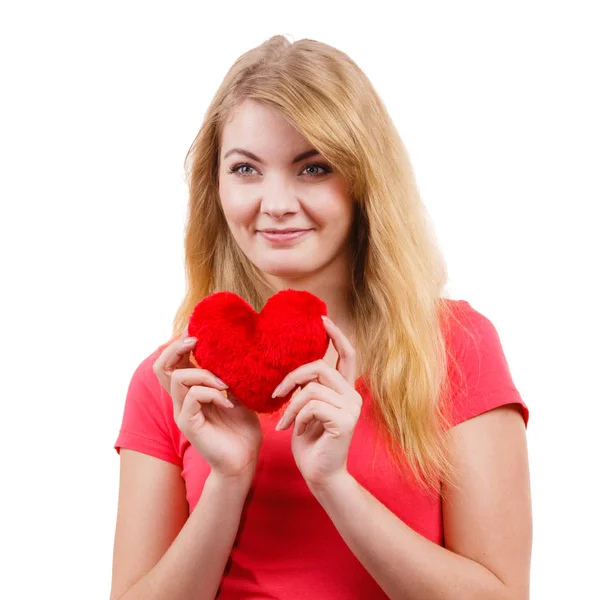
x: 189, y: 340
x: 278, y: 426
x: 277, y: 390
x: 221, y: 383
x: 326, y: 319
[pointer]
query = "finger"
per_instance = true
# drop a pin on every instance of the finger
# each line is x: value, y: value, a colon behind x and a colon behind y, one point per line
x: 233, y: 399
x: 318, y: 371
x: 177, y: 351
x: 346, y: 364
x: 175, y: 355
x: 195, y: 399
x: 183, y: 379
x: 182, y: 336
x: 174, y: 351
x: 313, y: 391
x: 329, y: 416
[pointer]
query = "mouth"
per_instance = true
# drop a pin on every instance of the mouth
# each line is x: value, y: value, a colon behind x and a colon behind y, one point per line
x: 283, y: 235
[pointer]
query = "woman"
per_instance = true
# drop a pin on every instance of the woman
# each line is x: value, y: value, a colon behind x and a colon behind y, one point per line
x: 410, y: 481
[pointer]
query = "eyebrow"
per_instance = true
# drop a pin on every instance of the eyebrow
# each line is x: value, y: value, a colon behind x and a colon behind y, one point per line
x: 249, y: 154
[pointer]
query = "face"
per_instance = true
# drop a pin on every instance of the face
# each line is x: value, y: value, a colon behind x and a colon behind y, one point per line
x: 286, y: 207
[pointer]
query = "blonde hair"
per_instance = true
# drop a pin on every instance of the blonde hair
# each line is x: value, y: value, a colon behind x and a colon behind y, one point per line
x: 399, y: 272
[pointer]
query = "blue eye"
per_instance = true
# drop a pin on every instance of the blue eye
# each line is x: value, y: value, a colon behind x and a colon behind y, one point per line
x: 236, y: 169
x: 325, y: 168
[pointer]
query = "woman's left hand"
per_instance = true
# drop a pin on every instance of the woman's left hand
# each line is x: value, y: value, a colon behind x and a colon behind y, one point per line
x: 324, y: 412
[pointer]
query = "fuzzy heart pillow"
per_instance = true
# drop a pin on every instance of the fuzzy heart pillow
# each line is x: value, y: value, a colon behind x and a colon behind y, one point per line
x: 252, y: 352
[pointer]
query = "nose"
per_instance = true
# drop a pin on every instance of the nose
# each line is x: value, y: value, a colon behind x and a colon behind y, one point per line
x: 278, y: 199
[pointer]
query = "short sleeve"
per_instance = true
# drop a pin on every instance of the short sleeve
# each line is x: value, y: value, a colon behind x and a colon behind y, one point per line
x: 481, y: 377
x: 148, y: 424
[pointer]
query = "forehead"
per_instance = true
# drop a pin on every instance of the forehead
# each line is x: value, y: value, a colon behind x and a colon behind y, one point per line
x: 262, y: 130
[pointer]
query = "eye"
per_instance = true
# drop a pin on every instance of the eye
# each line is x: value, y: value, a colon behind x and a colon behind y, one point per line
x: 326, y: 169
x: 237, y: 169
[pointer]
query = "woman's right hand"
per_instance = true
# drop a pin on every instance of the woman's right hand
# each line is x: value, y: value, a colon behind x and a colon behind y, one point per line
x: 228, y: 438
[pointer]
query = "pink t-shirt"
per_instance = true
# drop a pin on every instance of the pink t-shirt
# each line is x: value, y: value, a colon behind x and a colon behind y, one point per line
x: 287, y: 547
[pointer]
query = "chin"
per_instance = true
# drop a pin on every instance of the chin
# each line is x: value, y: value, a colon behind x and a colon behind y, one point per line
x: 284, y: 269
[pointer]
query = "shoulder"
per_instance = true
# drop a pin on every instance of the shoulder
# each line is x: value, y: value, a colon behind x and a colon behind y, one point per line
x: 478, y: 370
x: 144, y: 370
x: 148, y: 424
x: 144, y: 386
x: 463, y: 322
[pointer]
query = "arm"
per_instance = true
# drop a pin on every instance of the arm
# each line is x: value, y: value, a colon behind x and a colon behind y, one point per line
x: 161, y: 553
x: 487, y: 521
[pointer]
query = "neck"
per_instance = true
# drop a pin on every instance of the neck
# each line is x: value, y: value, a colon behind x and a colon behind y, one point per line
x: 332, y: 285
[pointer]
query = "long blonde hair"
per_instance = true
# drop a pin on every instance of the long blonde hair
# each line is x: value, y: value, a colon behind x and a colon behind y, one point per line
x: 399, y: 272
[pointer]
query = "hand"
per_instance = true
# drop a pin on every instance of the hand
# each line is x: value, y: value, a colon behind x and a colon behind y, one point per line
x: 324, y: 412
x: 227, y: 434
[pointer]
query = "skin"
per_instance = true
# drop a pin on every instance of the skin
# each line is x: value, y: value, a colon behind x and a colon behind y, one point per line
x: 278, y: 193
x: 487, y: 519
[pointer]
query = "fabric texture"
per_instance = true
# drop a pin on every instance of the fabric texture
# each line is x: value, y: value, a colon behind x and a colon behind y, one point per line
x: 287, y: 547
x: 252, y: 352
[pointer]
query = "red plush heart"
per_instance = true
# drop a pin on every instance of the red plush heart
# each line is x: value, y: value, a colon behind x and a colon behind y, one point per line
x: 252, y: 352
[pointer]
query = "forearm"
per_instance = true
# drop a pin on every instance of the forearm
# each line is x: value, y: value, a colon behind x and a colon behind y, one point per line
x: 193, y: 565
x: 405, y: 564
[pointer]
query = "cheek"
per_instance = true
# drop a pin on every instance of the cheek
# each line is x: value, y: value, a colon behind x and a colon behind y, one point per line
x: 332, y: 209
x: 238, y: 210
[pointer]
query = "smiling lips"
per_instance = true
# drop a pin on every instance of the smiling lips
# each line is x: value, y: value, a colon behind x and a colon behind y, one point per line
x: 283, y: 235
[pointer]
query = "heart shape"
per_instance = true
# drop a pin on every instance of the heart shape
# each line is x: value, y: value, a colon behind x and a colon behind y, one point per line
x: 252, y: 352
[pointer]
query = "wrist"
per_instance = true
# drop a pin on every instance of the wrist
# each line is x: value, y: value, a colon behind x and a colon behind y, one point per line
x: 331, y: 485
x: 242, y: 479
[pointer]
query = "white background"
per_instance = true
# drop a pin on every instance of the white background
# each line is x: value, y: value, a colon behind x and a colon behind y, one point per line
x: 498, y: 106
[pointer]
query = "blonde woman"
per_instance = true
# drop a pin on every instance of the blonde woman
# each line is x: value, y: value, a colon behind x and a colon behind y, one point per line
x: 399, y: 468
